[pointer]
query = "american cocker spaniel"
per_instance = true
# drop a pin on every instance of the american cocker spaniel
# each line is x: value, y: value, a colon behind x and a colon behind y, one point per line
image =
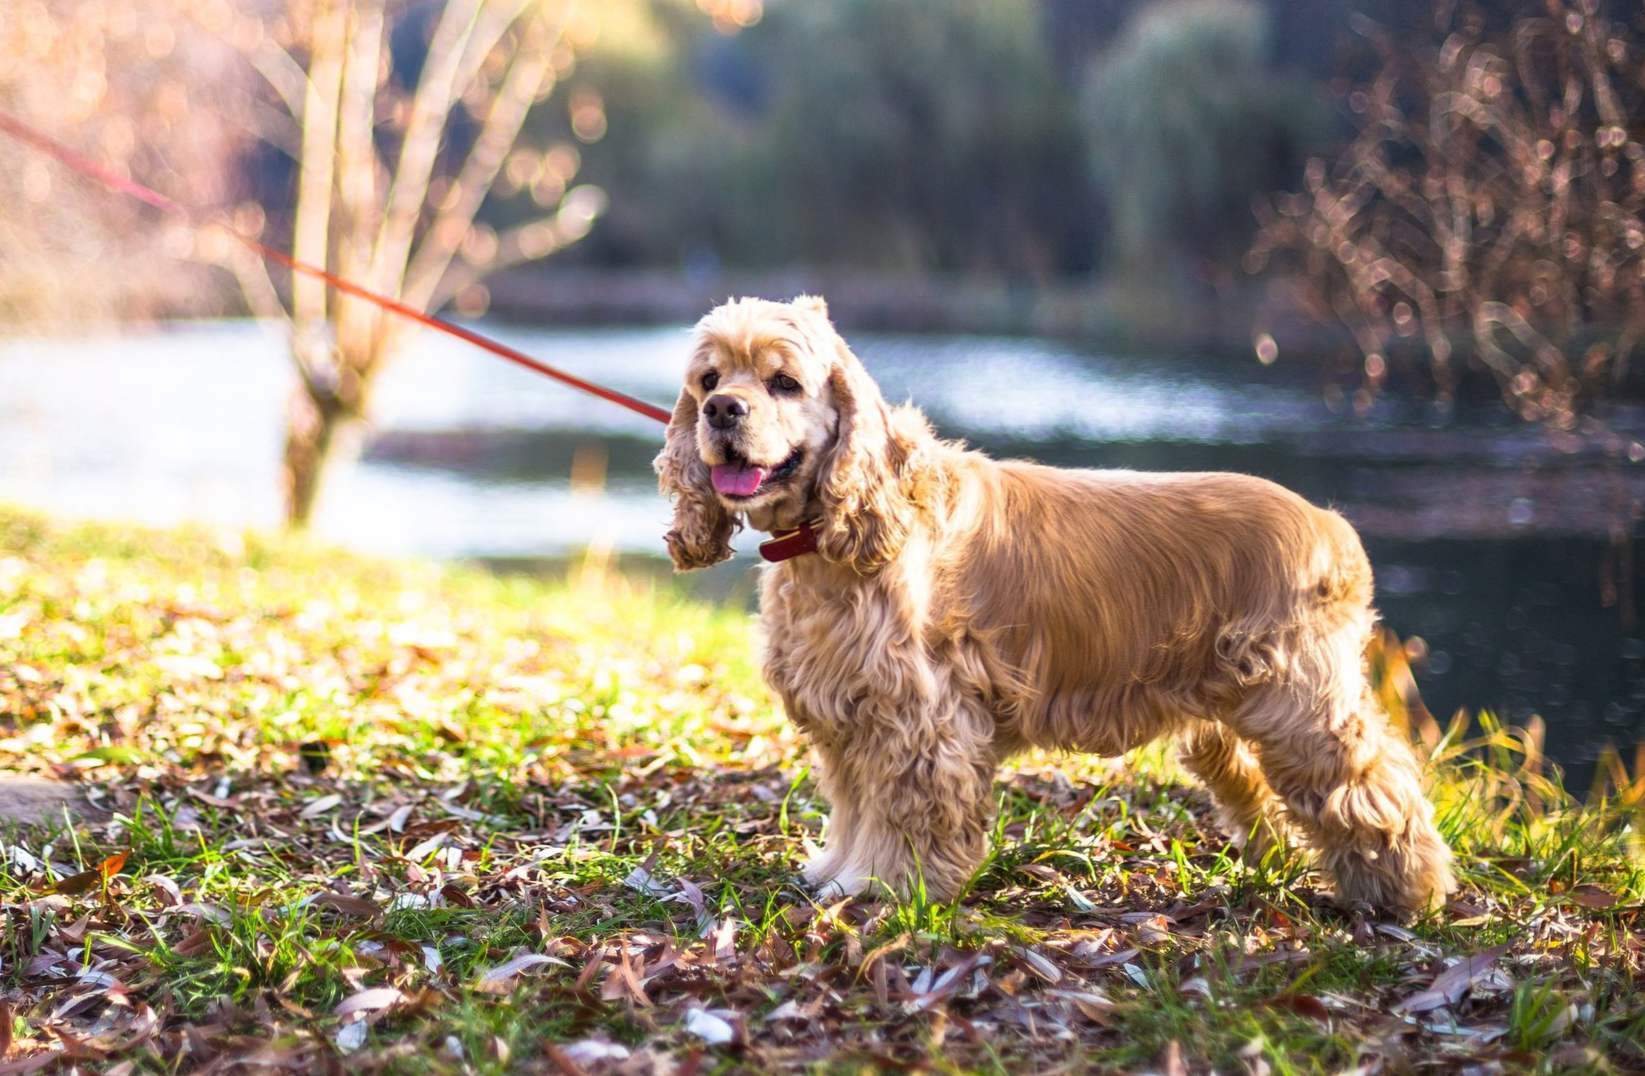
x: 934, y: 611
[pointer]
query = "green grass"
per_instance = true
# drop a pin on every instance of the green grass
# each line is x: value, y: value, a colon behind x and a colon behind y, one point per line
x: 340, y: 782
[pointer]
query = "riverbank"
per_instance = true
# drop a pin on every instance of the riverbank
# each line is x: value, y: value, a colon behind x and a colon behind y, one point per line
x: 426, y: 816
x: 1168, y: 318
x: 1152, y: 319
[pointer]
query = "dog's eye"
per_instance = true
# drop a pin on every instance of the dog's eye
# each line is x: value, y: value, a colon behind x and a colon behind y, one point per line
x: 784, y: 383
x: 710, y: 379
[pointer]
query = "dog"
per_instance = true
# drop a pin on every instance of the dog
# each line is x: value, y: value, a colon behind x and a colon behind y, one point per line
x: 947, y: 610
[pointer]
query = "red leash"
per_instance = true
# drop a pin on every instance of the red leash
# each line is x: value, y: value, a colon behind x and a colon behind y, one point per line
x: 28, y: 135
x: 779, y: 547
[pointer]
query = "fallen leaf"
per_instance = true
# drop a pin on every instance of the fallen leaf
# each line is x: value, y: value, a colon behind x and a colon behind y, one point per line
x: 423, y: 849
x: 344, y: 904
x: 621, y: 982
x: 320, y: 806
x: 1097, y: 1008
x: 692, y: 894
x: 1450, y: 985
x: 499, y: 980
x: 710, y: 1027
x: 641, y: 880
x: 30, y: 1063
x: 168, y: 887
x: 377, y: 997
x: 1041, y: 965
x: 790, y: 1010
x: 1593, y: 896
x: 591, y: 1051
x: 350, y: 1037
x: 725, y: 940
x: 75, y: 884
x: 432, y: 826
x: 1123, y: 956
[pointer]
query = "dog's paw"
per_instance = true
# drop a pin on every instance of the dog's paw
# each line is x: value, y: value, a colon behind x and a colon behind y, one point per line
x: 830, y: 879
x: 819, y: 870
x: 840, y: 886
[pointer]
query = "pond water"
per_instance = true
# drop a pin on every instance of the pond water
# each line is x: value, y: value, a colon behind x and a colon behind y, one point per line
x: 1512, y: 555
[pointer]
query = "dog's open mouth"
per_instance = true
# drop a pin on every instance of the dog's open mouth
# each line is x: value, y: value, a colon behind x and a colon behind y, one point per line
x: 737, y: 477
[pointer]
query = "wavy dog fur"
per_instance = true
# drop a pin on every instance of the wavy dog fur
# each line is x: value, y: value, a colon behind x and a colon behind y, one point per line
x: 962, y: 609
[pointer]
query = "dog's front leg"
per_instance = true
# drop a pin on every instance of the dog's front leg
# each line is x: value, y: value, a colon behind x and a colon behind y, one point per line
x: 911, y: 792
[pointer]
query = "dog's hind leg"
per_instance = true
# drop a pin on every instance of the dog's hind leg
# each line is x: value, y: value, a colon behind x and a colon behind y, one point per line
x: 1351, y: 783
x: 1247, y: 809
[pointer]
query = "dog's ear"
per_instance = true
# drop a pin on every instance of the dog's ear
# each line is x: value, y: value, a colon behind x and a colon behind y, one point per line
x: 867, y: 514
x: 702, y: 529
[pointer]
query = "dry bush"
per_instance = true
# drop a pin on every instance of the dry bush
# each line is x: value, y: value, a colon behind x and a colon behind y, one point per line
x: 1488, y: 210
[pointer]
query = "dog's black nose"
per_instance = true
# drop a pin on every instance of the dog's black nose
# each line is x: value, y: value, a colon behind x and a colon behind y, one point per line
x: 724, y: 411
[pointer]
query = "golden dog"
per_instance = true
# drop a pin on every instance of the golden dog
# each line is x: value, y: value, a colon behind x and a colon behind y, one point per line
x: 958, y: 609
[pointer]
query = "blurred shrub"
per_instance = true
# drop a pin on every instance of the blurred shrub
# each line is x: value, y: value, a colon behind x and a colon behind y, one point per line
x: 877, y: 134
x: 1186, y: 124
x: 935, y: 133
x: 1493, y: 197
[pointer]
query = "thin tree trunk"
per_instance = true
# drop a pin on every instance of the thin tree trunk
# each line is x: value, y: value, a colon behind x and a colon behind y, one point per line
x: 312, y: 438
x: 321, y: 436
x: 322, y: 418
x: 312, y: 417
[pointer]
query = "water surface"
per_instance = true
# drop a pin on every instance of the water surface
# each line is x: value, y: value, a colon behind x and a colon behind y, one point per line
x: 1512, y: 555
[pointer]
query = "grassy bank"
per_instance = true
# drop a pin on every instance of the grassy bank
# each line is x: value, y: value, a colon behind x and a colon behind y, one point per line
x: 391, y: 816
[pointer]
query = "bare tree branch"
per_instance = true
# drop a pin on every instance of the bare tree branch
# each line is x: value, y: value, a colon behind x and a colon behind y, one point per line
x: 529, y: 242
x: 251, y: 273
x: 525, y: 78
x: 357, y: 167
x: 311, y: 238
x: 284, y: 75
x: 431, y: 105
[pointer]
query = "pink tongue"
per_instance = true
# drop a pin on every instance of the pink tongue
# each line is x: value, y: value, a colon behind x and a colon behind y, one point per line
x: 737, y: 481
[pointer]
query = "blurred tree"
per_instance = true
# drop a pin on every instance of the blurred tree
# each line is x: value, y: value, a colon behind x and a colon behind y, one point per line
x: 103, y: 77
x: 1493, y: 197
x: 932, y: 136
x: 399, y: 119
x: 635, y: 71
x: 1186, y: 125
x: 875, y: 134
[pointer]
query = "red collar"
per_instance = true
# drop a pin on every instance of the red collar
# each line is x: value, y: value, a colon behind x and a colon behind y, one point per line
x: 783, y: 545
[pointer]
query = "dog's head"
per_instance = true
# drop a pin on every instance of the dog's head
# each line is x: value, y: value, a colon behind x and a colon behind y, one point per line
x: 779, y: 424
